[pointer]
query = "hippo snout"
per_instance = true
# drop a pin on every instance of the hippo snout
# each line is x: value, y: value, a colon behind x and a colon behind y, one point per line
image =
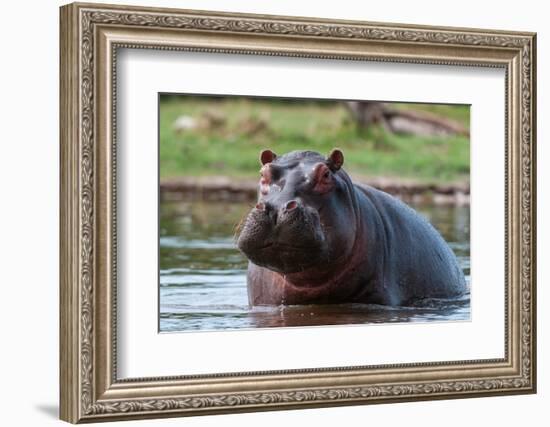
x: 289, y: 210
x: 257, y: 228
x: 266, y: 222
x: 276, y: 235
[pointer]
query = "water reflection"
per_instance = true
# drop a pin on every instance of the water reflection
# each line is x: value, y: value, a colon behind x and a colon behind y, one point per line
x: 203, y: 275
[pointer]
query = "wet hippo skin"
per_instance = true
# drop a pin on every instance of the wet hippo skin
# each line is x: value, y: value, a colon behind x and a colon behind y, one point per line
x: 314, y: 237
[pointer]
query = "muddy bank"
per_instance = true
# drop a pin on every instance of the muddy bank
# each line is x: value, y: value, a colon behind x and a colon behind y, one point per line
x: 222, y: 188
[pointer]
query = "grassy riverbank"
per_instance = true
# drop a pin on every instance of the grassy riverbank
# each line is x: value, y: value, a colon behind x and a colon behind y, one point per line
x: 225, y: 137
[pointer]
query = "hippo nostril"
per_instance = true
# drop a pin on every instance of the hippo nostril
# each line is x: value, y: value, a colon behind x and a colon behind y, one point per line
x: 260, y: 206
x: 291, y: 205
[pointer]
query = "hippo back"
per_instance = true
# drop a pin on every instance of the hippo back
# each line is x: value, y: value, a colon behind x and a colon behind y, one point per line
x: 414, y: 261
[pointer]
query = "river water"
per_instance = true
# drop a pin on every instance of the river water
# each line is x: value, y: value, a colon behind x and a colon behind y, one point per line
x: 203, y: 275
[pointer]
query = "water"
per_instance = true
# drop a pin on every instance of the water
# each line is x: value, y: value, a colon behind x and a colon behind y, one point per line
x: 203, y: 275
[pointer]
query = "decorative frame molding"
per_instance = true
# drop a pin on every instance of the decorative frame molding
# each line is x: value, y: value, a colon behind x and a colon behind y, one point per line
x: 90, y: 36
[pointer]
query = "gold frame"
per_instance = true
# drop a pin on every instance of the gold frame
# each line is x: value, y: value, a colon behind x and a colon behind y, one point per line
x: 90, y: 36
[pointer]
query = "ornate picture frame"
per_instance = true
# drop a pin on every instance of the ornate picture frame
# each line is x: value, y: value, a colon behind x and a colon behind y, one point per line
x: 90, y: 37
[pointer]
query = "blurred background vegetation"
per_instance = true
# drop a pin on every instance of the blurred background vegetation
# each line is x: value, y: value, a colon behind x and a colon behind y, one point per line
x: 223, y: 136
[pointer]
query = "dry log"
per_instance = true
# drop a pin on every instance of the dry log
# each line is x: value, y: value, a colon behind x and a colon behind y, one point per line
x: 423, y: 123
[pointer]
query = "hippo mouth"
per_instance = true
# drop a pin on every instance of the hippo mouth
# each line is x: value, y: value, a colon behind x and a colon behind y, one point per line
x: 287, y: 247
x: 285, y: 239
x: 285, y: 257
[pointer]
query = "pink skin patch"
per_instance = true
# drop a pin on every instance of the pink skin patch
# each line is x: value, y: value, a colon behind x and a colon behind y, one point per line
x: 291, y: 205
x: 265, y: 179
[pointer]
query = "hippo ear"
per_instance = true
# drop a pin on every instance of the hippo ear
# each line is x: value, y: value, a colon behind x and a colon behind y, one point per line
x: 267, y: 156
x: 335, y: 160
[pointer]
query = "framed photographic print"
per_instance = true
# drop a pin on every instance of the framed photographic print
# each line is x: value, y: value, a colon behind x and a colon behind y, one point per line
x: 265, y: 212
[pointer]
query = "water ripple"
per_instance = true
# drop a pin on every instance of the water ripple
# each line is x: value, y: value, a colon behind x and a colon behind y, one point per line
x: 203, y: 277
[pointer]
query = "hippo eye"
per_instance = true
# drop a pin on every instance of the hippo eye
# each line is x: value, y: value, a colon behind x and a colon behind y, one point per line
x: 322, y: 179
x: 275, y: 174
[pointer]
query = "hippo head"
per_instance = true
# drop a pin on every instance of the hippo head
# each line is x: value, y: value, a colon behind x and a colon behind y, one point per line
x: 304, y: 218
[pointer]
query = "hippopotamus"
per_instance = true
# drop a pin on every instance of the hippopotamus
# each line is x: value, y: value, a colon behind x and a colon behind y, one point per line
x: 315, y: 237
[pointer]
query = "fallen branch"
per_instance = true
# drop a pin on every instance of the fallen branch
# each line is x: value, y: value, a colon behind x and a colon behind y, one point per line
x: 423, y: 123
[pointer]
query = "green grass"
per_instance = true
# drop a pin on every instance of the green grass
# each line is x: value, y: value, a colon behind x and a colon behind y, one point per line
x: 320, y: 126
